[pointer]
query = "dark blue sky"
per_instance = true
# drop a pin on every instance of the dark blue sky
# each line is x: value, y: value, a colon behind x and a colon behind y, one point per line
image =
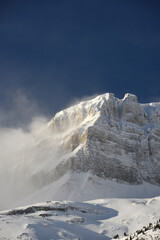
x: 59, y: 50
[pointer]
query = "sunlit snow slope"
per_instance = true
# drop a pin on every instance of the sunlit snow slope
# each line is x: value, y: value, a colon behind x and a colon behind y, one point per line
x: 100, y: 219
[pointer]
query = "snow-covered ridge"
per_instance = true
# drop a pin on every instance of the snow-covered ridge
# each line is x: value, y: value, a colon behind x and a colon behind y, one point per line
x: 98, y: 219
x: 112, y: 107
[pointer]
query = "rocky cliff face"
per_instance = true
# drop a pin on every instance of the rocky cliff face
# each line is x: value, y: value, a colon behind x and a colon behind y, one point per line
x: 112, y: 138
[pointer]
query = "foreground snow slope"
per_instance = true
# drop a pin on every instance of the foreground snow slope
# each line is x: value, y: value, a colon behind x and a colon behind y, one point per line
x: 97, y: 219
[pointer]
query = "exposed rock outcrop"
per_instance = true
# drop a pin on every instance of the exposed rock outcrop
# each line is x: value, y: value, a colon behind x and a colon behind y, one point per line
x: 115, y: 139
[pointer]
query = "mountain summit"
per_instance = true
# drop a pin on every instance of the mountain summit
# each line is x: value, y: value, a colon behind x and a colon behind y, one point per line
x: 113, y: 138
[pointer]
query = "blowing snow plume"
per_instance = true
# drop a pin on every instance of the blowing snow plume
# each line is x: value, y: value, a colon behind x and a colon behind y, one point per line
x: 20, y: 123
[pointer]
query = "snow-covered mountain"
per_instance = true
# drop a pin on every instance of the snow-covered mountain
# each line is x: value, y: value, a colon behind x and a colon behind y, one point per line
x: 112, y: 138
x: 100, y: 161
x: 105, y: 143
x: 108, y: 137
